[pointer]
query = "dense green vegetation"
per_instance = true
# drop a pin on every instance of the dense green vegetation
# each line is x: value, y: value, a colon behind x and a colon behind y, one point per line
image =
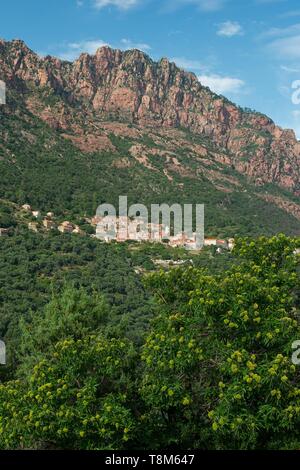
x: 213, y: 368
x: 106, y: 351
x: 39, y: 166
x: 33, y: 267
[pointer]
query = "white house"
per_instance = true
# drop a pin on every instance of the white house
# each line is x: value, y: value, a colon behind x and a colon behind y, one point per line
x: 210, y: 242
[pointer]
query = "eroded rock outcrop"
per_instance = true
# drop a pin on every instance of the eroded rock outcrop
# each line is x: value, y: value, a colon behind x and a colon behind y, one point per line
x: 113, y: 85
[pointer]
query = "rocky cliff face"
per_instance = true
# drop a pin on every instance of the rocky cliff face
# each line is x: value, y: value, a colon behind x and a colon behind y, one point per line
x: 114, y: 87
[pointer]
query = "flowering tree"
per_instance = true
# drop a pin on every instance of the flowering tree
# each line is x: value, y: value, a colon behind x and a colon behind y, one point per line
x: 218, y: 368
x: 77, y: 399
x: 215, y: 372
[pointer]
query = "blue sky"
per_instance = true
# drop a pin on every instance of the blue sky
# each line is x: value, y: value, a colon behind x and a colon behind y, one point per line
x: 248, y: 50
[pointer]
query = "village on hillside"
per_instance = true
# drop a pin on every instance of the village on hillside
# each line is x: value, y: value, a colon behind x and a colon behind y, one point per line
x: 121, y: 229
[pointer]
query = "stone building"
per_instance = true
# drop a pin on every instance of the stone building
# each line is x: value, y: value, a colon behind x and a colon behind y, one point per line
x: 33, y: 226
x: 26, y: 207
x: 49, y: 224
x: 66, y: 227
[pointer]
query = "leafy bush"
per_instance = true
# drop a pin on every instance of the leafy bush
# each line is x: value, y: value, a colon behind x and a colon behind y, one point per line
x: 75, y: 399
x: 218, y: 370
x: 215, y: 370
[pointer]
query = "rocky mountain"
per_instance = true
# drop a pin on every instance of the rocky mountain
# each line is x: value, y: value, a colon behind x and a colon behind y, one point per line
x: 150, y: 121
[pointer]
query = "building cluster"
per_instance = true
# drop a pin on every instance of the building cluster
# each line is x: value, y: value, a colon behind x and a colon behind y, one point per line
x: 49, y: 223
x: 123, y: 229
x: 220, y: 244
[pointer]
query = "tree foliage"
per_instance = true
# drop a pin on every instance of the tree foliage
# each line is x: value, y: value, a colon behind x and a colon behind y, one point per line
x: 214, y: 372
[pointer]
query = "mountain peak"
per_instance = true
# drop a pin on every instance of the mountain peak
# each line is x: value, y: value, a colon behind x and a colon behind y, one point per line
x: 18, y: 45
x: 128, y: 86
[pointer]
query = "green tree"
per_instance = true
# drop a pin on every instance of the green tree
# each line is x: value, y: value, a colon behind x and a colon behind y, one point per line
x: 72, y: 313
x: 77, y: 398
x: 218, y: 370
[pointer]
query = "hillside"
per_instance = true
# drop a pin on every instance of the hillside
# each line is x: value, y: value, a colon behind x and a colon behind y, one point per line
x: 74, y: 135
x: 143, y: 346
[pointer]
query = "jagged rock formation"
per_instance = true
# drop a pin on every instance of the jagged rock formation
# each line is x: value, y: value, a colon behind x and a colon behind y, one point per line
x: 117, y: 122
x: 128, y: 86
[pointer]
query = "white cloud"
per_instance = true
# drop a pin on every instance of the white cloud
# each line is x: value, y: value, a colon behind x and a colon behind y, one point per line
x: 282, y: 32
x: 270, y: 1
x: 287, y: 69
x: 221, y: 85
x: 208, y: 5
x: 290, y: 14
x: 204, y: 5
x: 229, y: 29
x: 122, y: 4
x: 189, y: 64
x: 287, y: 48
x: 72, y: 50
x: 284, y: 42
x: 285, y: 91
x: 128, y: 44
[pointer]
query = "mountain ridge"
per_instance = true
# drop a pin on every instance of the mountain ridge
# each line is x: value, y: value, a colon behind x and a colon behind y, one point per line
x: 130, y: 86
x: 119, y: 117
